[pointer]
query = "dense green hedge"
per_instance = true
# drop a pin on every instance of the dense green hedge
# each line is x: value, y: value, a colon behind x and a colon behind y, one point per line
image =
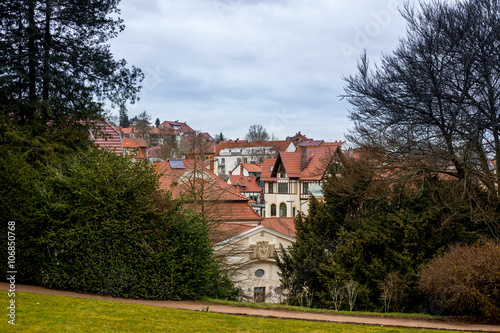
x: 93, y: 222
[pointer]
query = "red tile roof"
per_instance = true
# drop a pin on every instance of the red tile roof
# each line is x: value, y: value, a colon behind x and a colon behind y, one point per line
x: 207, y: 136
x: 310, y: 143
x: 127, y: 130
x: 225, y: 231
x: 317, y: 159
x: 278, y: 145
x: 245, y: 183
x: 133, y: 143
x: 177, y: 127
x: 252, y: 167
x: 106, y: 136
x: 267, y: 168
x: 283, y: 225
x: 192, y: 180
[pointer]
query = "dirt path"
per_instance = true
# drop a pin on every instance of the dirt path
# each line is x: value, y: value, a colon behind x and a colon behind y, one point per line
x: 198, y: 305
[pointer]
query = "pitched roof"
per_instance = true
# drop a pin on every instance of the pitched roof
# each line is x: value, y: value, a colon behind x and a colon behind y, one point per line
x: 219, y: 200
x: 252, y: 167
x: 310, y: 143
x: 225, y: 231
x: 281, y: 145
x: 176, y: 126
x: 284, y: 225
x: 133, y: 143
x: 106, y: 136
x: 207, y: 136
x: 245, y: 183
x: 127, y: 130
x: 267, y: 168
x: 316, y: 161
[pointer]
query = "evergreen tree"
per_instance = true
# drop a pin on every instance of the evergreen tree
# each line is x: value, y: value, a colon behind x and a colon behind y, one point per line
x: 55, y: 51
x: 157, y: 122
x: 220, y: 137
x: 377, y: 234
x: 124, y: 121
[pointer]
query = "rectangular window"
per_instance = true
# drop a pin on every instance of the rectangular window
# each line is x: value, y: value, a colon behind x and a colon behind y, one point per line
x: 283, y: 188
x: 305, y: 188
x: 245, y: 160
x: 271, y: 185
x: 222, y: 161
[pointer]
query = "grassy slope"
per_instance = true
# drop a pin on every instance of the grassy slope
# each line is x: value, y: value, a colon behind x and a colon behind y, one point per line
x: 42, y: 313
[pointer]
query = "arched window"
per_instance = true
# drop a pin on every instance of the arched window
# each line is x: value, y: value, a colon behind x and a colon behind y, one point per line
x: 273, y: 210
x: 294, y: 211
x: 282, y: 209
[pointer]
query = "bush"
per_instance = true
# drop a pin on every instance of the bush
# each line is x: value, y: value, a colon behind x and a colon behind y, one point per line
x: 467, y: 278
x: 99, y: 224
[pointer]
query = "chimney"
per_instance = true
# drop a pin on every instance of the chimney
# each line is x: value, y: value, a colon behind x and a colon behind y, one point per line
x: 241, y: 169
x: 303, y: 158
x: 212, y: 165
x: 230, y: 173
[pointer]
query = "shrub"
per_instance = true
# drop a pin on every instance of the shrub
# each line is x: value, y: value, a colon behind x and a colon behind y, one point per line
x: 100, y: 224
x: 467, y: 278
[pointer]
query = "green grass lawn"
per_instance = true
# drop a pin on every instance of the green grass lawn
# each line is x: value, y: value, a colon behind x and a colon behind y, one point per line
x: 43, y: 313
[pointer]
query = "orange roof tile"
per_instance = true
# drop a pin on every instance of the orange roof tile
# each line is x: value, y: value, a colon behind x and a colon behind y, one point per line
x: 127, y: 130
x: 245, y: 183
x: 133, y: 143
x: 284, y: 225
x: 317, y: 159
x: 192, y: 180
x: 176, y: 126
x: 225, y: 231
x: 267, y: 168
x: 252, y: 167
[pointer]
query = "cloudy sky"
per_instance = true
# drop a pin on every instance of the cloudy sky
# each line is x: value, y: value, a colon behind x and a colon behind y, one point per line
x: 223, y: 65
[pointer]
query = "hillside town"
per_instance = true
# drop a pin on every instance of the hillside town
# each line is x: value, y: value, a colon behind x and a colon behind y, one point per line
x: 251, y: 190
x: 332, y: 163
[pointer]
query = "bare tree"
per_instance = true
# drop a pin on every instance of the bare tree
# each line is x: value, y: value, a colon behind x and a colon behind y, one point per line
x: 434, y: 104
x: 257, y: 133
x: 352, y: 289
x: 337, y: 293
x: 142, y: 126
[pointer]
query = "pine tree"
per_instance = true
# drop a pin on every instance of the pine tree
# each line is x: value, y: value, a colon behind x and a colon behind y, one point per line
x: 55, y: 51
